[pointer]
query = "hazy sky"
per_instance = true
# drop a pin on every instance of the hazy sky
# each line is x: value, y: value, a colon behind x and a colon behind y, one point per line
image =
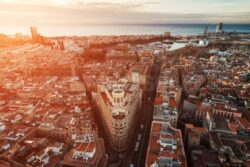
x: 79, y: 12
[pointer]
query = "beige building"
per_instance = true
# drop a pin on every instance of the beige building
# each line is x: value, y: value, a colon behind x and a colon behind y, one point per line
x: 138, y: 74
x: 118, y: 104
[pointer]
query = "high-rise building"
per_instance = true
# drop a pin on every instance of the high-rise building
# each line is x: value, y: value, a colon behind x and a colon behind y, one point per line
x: 205, y: 31
x: 118, y: 104
x: 34, y: 34
x: 219, y: 27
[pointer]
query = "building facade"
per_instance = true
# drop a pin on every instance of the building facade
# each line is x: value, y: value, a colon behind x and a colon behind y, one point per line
x: 118, y: 104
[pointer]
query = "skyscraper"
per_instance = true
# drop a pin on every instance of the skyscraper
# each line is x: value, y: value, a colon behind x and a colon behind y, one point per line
x: 219, y: 27
x: 205, y: 31
x: 34, y: 34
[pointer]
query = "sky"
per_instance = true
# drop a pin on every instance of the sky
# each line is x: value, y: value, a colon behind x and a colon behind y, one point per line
x: 24, y: 13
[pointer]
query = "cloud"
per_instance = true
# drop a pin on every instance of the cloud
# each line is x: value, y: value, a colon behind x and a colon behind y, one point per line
x: 81, y: 13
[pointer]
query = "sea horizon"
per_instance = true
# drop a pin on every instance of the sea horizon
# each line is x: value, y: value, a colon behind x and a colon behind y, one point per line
x: 125, y: 29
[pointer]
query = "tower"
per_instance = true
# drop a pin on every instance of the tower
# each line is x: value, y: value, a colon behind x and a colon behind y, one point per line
x: 219, y: 27
x: 205, y: 31
x: 34, y: 34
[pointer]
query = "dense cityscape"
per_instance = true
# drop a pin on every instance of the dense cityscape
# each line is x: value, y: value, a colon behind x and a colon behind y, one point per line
x: 129, y: 100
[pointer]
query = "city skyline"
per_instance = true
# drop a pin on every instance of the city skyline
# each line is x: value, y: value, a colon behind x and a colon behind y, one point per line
x: 143, y: 83
x: 16, y: 14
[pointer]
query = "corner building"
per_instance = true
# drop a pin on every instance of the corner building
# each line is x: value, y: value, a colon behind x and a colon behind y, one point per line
x: 118, y: 105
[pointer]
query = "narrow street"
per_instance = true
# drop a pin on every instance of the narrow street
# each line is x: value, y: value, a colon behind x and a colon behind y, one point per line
x: 137, y: 157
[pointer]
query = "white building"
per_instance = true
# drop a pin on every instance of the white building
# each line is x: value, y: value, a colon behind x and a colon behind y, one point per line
x: 2, y: 127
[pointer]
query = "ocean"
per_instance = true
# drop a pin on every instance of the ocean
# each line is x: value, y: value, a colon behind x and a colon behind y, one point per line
x: 132, y: 29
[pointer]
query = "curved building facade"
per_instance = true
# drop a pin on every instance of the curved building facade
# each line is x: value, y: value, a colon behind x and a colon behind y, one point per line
x: 118, y: 104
